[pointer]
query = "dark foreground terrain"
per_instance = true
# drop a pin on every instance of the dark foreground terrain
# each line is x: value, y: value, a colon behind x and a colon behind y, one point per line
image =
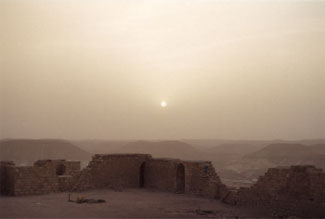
x: 125, y: 204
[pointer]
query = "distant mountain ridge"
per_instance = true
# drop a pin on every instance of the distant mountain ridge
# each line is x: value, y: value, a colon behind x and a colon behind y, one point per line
x: 209, y: 143
x: 171, y: 149
x: 234, y: 149
x: 289, y: 153
x: 281, y: 154
x: 26, y: 151
x: 100, y: 146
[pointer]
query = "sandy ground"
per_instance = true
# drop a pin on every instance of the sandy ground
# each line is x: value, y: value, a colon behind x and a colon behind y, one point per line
x: 126, y: 204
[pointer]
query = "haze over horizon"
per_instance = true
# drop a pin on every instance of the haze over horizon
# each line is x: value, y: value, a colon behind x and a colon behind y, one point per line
x: 102, y: 69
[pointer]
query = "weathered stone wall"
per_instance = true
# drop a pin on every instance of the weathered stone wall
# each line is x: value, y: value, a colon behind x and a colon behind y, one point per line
x: 295, y: 191
x: 81, y: 181
x: 59, y: 167
x: 71, y: 167
x: 201, y: 179
x: 117, y: 170
x: 191, y: 177
x: 41, y: 178
x: 6, y: 177
x: 161, y: 174
x: 34, y: 180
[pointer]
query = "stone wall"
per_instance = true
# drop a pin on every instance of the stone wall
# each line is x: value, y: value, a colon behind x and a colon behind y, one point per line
x: 161, y: 174
x: 6, y: 177
x: 117, y: 170
x: 41, y: 178
x: 81, y: 181
x: 59, y: 167
x: 295, y: 191
x: 191, y: 177
x: 34, y: 180
x: 201, y: 179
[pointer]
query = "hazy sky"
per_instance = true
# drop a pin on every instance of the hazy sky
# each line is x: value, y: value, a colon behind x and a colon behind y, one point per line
x: 99, y: 69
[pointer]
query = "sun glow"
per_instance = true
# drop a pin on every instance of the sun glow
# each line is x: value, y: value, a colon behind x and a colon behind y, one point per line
x: 163, y: 104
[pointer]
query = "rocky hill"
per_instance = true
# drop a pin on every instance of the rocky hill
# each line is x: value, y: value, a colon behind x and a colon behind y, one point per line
x: 290, y: 154
x: 252, y: 165
x: 95, y: 146
x: 26, y: 151
x: 172, y: 149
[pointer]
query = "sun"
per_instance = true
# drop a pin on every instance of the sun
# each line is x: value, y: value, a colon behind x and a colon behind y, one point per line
x: 163, y: 104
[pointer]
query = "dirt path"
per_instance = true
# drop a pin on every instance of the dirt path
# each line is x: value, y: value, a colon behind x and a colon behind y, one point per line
x: 129, y: 203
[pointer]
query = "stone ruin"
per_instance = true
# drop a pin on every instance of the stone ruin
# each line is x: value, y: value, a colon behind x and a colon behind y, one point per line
x: 295, y: 191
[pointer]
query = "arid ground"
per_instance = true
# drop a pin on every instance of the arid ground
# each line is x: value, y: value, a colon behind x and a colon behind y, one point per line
x: 123, y: 204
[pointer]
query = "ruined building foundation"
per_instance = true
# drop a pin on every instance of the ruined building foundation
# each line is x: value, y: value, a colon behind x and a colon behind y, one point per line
x: 295, y: 191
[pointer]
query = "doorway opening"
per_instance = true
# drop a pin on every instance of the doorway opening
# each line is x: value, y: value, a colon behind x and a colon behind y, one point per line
x: 142, y: 169
x: 180, y: 178
x: 60, y: 169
